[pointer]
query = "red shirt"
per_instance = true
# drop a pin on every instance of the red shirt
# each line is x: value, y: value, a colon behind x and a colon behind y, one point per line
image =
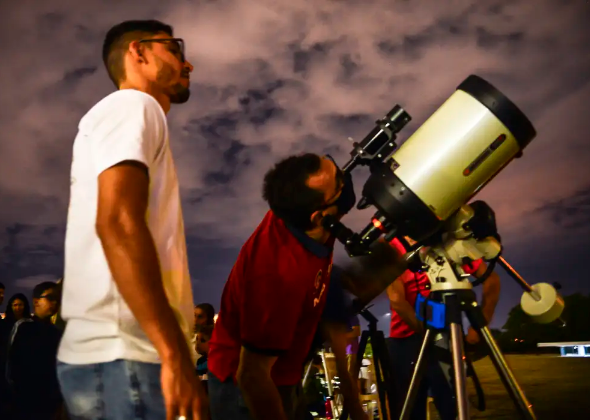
x: 414, y: 283
x: 272, y: 301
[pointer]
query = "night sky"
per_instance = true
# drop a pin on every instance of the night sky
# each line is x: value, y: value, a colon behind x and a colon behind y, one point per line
x: 278, y: 77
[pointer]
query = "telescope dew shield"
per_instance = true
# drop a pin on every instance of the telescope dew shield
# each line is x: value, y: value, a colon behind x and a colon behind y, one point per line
x: 467, y: 141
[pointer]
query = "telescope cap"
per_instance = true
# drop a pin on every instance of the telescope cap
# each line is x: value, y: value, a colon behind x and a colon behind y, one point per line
x: 502, y: 107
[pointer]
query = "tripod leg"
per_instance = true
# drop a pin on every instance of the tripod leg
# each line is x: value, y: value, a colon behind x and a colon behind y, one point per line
x: 459, y: 370
x: 478, y: 322
x: 357, y: 367
x: 507, y: 377
x: 417, y: 375
x: 383, y: 373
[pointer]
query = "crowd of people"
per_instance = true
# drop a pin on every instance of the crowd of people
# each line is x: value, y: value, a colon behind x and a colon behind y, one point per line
x: 129, y: 342
x: 29, y: 340
x: 29, y: 337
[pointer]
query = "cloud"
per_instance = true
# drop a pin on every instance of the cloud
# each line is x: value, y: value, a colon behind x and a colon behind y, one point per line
x: 570, y: 213
x: 32, y: 281
x: 279, y: 77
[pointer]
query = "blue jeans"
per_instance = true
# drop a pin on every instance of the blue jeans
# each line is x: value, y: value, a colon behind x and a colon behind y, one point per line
x: 226, y: 401
x: 118, y: 390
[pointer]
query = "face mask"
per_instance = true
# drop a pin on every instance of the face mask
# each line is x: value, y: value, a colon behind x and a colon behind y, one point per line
x: 345, y: 202
x: 347, y: 198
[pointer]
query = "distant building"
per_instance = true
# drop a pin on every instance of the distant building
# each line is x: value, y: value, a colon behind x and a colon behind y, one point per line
x: 571, y: 348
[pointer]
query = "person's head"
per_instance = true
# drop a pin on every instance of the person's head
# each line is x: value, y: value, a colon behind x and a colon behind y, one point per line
x: 18, y: 307
x: 204, y: 314
x: 45, y: 299
x: 2, y: 290
x: 204, y: 333
x: 144, y: 55
x: 302, y: 189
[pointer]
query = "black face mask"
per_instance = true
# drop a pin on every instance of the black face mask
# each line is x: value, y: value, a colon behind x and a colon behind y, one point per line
x: 347, y: 199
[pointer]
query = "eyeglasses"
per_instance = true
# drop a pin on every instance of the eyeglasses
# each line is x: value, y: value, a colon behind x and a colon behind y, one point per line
x: 176, y: 45
x: 50, y: 297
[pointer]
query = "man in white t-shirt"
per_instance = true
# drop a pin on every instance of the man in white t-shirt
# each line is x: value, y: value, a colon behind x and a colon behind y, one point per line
x: 127, y: 296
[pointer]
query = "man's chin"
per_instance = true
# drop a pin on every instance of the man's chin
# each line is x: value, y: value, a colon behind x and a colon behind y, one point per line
x: 181, y: 96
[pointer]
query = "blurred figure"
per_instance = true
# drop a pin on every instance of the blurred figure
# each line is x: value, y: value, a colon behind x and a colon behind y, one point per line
x: 18, y: 311
x: 204, y: 314
x: 17, y: 308
x: 204, y: 334
x: 31, y: 360
x: 2, y: 289
x: 57, y: 319
x: 4, y: 401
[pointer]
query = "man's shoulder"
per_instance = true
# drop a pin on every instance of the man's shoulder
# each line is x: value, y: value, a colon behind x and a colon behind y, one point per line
x: 122, y: 102
x: 126, y: 97
x: 270, y: 237
x: 272, y: 251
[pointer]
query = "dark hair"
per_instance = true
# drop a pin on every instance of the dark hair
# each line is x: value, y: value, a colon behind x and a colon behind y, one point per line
x: 117, y: 41
x: 209, y: 311
x: 2, y: 286
x: 10, y: 313
x: 42, y: 288
x: 286, y: 191
x: 205, y: 330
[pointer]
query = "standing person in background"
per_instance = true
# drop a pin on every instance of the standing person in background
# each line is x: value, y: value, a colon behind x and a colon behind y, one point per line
x: 204, y: 334
x: 406, y: 335
x: 2, y: 290
x: 127, y: 298
x: 31, y: 360
x: 204, y: 314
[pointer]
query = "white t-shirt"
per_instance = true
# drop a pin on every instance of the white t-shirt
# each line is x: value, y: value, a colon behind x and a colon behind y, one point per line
x: 126, y: 125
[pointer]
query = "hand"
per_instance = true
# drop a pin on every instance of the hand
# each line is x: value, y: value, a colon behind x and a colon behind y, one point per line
x: 183, y: 393
x: 472, y: 336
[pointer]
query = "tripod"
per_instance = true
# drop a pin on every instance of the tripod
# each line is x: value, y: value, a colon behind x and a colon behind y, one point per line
x: 380, y: 362
x: 443, y: 311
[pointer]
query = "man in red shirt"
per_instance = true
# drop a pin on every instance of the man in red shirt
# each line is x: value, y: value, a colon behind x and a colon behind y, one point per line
x: 276, y: 293
x: 406, y: 335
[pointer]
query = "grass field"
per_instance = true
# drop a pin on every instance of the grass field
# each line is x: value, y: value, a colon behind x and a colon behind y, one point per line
x: 558, y: 388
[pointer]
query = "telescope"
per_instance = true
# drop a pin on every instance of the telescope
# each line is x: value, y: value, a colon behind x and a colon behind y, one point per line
x: 423, y: 191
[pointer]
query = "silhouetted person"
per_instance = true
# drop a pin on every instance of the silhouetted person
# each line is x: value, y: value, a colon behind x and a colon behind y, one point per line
x: 17, y: 311
x: 32, y: 356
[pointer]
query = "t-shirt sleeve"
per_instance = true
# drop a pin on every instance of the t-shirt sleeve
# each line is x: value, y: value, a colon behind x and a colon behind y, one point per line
x: 270, y: 311
x: 131, y: 129
x: 338, y: 305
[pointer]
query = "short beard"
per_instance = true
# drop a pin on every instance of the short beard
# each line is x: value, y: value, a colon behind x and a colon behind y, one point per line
x: 180, y: 95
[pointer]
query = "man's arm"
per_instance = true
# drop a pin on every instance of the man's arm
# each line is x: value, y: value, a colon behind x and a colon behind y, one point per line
x: 131, y: 254
x: 133, y: 260
x: 489, y: 300
x: 490, y: 292
x: 337, y: 336
x: 258, y: 389
x: 399, y: 304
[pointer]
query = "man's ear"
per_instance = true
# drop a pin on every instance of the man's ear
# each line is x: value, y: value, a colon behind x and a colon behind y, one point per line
x: 136, y: 51
x: 316, y: 218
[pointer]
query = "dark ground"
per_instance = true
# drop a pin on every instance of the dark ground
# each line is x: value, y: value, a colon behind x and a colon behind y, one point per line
x: 558, y: 388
